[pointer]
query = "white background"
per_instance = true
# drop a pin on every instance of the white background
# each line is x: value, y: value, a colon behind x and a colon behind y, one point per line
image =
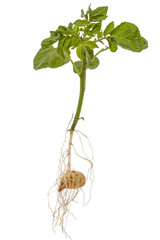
x: 122, y: 119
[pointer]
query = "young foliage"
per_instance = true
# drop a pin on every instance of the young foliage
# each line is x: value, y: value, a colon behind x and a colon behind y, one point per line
x: 109, y: 28
x: 49, y: 57
x: 127, y: 35
x: 98, y: 14
x: 86, y: 35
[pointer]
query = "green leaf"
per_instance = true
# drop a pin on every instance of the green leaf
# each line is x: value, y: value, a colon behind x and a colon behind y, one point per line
x: 99, y: 11
x: 77, y: 30
x: 81, y: 29
x: 96, y: 29
x: 112, y: 45
x: 70, y: 25
x: 89, y: 54
x: 90, y: 25
x: 66, y: 47
x: 60, y: 45
x: 65, y: 31
x: 90, y: 35
x: 79, y: 51
x: 99, y: 35
x: 73, y: 40
x: 94, y: 63
x: 80, y: 22
x: 127, y: 35
x: 54, y: 37
x: 48, y: 57
x: 62, y: 29
x: 89, y: 12
x: 145, y: 43
x: 109, y: 28
x: 97, y: 18
x: 47, y: 42
x: 82, y: 13
x: 76, y: 43
x: 98, y: 14
x: 91, y: 44
x: 78, y: 65
x: 86, y: 39
x: 67, y: 43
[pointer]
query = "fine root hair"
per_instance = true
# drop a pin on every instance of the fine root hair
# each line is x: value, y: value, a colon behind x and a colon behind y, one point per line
x: 70, y: 182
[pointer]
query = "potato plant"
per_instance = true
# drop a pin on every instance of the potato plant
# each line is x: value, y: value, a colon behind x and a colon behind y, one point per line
x: 88, y: 39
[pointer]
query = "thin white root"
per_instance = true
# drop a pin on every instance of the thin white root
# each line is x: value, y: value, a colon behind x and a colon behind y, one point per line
x: 68, y: 184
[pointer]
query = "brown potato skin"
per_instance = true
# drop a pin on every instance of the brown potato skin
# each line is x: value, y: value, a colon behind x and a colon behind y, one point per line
x: 72, y: 180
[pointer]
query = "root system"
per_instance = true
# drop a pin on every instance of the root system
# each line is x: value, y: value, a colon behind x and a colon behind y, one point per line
x: 70, y: 182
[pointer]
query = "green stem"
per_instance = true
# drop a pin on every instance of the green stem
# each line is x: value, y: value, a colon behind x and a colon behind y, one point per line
x: 79, y: 106
x: 102, y: 50
x: 81, y: 94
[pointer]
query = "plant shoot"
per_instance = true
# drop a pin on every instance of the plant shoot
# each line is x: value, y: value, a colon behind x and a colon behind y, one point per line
x: 87, y: 37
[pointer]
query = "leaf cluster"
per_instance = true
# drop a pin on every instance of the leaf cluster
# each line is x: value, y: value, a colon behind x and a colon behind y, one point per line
x: 86, y: 35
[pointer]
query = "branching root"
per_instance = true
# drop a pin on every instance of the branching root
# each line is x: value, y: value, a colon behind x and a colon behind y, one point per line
x: 69, y: 182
